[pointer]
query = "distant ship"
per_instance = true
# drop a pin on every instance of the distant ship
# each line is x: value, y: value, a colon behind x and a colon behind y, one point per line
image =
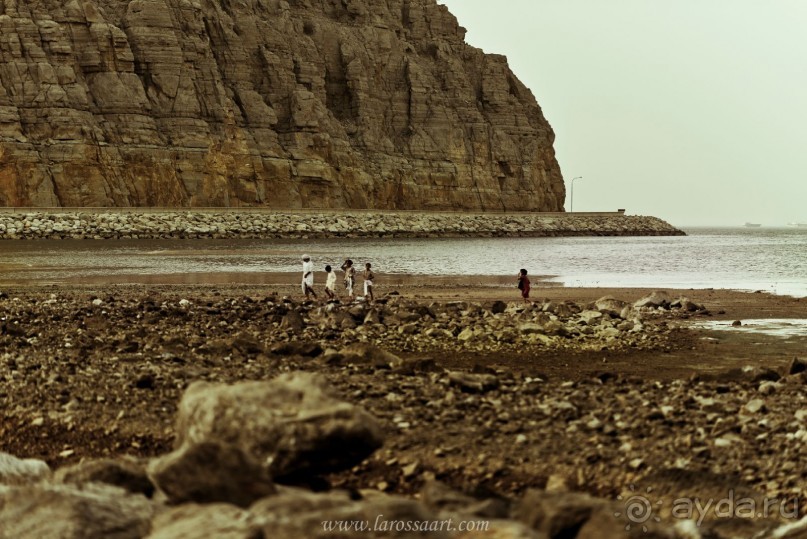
x: 753, y: 225
x: 798, y: 225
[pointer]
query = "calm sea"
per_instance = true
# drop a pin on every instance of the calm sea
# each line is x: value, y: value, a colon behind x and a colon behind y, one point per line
x: 773, y: 260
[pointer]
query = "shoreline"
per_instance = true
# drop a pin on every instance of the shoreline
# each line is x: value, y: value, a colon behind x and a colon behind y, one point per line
x: 419, y: 286
x: 210, y: 224
x: 424, y: 288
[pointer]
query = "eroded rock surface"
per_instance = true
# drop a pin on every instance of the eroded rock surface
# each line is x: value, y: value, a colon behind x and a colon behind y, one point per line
x: 290, y: 104
x: 291, y: 424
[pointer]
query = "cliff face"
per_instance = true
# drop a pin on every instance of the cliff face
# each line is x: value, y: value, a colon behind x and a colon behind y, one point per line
x: 280, y: 103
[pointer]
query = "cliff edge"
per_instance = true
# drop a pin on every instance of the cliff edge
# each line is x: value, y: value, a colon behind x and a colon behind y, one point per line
x: 283, y: 104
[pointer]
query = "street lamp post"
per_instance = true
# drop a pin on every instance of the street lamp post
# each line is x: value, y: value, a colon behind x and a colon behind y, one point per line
x: 571, y: 208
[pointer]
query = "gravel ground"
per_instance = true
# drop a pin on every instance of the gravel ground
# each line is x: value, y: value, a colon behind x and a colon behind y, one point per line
x: 98, y: 371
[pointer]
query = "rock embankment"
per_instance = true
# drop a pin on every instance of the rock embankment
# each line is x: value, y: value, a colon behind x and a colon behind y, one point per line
x: 228, y: 224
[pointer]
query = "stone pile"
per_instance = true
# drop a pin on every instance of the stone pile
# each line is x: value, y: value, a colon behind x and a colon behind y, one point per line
x: 212, y: 225
x: 467, y: 326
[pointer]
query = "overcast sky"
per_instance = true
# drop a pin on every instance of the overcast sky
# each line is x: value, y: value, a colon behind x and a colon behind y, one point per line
x: 691, y: 110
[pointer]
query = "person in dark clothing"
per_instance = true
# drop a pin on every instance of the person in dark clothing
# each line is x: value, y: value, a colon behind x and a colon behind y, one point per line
x: 524, y: 285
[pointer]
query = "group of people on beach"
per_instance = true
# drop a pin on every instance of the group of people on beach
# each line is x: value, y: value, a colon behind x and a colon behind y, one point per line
x: 349, y: 279
x: 523, y: 282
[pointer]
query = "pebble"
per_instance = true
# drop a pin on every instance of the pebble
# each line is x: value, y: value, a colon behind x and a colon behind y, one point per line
x: 521, y: 439
x: 755, y: 406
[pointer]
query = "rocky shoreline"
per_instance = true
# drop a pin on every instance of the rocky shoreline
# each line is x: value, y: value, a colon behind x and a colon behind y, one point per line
x: 248, y: 224
x: 247, y: 416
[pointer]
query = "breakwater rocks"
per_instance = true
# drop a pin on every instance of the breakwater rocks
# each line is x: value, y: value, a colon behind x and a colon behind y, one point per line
x: 249, y: 224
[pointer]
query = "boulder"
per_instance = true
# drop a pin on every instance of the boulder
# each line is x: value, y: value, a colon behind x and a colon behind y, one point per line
x: 686, y: 304
x: 93, y: 511
x: 439, y: 498
x: 127, y: 473
x: 194, y: 521
x: 555, y: 328
x: 208, y: 472
x: 591, y: 317
x: 561, y: 310
x: 293, y: 322
x: 496, y: 307
x: 557, y: 514
x: 16, y: 471
x: 610, y: 305
x: 291, y: 424
x: 295, y: 513
x: 659, y: 298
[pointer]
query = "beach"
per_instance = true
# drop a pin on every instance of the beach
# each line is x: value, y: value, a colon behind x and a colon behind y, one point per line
x: 97, y: 370
x: 525, y: 411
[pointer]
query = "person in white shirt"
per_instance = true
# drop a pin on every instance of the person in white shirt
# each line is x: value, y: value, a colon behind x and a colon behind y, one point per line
x: 308, y: 277
x: 369, y: 278
x: 330, y: 283
x: 350, y: 276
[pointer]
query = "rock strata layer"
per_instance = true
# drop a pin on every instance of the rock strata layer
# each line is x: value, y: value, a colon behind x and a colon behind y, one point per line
x: 278, y: 103
x: 211, y: 224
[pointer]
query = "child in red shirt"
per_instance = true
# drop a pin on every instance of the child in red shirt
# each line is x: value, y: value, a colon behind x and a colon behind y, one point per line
x: 524, y: 285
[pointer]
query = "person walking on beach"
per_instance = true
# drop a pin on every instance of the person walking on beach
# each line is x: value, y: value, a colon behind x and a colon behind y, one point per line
x: 350, y: 276
x: 308, y: 277
x: 369, y: 277
x: 330, y: 283
x: 524, y: 285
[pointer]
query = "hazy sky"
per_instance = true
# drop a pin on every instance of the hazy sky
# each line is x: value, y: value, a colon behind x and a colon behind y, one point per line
x: 691, y: 110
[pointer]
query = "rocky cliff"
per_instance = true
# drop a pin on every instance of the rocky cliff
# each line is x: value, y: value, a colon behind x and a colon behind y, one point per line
x: 278, y: 103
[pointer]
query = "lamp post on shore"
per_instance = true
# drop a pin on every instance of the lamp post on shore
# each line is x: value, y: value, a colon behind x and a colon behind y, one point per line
x: 571, y: 208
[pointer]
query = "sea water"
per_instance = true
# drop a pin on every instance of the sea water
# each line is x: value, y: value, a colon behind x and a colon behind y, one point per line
x: 769, y: 259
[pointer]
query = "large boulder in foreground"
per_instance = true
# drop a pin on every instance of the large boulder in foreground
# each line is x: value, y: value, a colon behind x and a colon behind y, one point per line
x: 94, y: 511
x: 210, y: 472
x: 291, y: 425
